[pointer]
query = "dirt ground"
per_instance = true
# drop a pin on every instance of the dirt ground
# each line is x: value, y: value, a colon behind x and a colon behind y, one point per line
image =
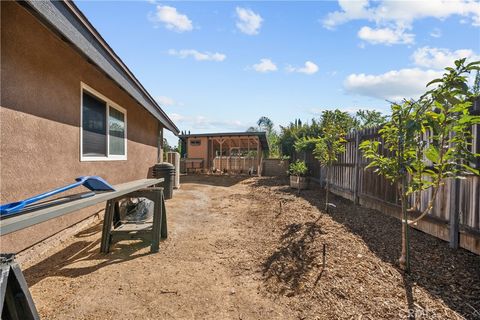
x: 251, y: 248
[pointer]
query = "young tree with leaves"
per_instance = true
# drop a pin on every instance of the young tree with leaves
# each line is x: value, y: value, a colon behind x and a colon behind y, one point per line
x: 329, y: 143
x: 436, y: 128
x: 327, y: 148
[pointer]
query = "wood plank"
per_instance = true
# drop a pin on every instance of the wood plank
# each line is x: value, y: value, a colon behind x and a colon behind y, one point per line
x: 133, y: 227
x: 25, y: 220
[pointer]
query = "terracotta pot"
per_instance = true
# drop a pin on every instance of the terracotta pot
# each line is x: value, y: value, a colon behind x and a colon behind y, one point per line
x: 296, y: 181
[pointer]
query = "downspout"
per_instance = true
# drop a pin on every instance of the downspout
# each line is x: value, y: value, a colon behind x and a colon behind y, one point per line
x: 160, y: 143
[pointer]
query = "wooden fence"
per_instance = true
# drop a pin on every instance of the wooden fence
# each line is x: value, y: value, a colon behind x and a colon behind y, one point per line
x: 237, y: 165
x: 188, y: 165
x: 351, y: 180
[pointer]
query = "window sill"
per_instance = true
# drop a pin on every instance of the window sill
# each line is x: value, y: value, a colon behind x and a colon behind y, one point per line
x: 91, y: 159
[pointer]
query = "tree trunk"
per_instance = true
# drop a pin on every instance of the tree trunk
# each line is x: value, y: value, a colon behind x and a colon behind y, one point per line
x: 404, y: 260
x: 327, y: 188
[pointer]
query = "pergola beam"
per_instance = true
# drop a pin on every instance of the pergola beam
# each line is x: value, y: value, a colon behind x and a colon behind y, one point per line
x: 227, y: 144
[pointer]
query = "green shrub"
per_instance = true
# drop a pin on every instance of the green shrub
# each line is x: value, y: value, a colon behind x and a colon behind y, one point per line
x: 298, y: 168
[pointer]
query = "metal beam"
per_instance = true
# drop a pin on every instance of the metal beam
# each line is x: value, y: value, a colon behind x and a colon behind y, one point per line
x: 28, y: 219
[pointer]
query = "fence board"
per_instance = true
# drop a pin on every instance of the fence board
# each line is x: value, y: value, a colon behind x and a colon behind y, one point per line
x: 235, y: 164
x: 373, y: 187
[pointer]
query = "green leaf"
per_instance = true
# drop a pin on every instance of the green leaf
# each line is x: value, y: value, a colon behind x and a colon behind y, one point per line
x: 432, y: 154
x: 472, y: 170
x: 434, y: 81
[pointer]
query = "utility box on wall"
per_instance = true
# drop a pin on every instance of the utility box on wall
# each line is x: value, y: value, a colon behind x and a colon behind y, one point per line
x: 174, y: 158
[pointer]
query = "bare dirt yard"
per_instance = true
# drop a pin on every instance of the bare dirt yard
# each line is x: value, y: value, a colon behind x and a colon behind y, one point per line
x: 234, y: 252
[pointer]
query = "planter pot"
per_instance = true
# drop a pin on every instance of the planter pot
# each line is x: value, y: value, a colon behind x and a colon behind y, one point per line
x: 296, y: 182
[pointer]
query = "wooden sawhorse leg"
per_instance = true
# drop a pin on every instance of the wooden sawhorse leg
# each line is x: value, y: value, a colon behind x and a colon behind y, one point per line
x: 164, y: 229
x: 16, y: 303
x: 107, y: 226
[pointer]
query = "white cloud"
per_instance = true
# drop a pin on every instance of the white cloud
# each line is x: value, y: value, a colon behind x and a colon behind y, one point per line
x: 308, y: 68
x: 172, y: 19
x: 177, y: 117
x: 197, y: 55
x: 200, y: 122
x: 396, y: 85
x: 402, y: 13
x: 351, y: 10
x: 386, y: 36
x: 165, y: 101
x: 393, y: 85
x: 392, y: 18
x: 436, y: 33
x: 265, y: 65
x: 439, y: 58
x: 248, y: 21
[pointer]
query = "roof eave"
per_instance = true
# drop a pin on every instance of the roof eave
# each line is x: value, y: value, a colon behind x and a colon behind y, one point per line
x: 259, y: 134
x: 66, y: 19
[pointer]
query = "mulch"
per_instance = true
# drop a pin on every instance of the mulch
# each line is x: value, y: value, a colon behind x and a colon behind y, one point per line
x: 360, y: 277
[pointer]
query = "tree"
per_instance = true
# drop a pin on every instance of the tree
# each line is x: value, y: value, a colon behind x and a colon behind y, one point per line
x: 298, y: 169
x: 181, y: 148
x: 341, y: 119
x: 328, y: 143
x: 166, y: 146
x: 476, y: 85
x: 287, y: 137
x: 327, y: 147
x: 266, y: 125
x: 437, y: 127
x: 297, y: 131
x: 369, y: 119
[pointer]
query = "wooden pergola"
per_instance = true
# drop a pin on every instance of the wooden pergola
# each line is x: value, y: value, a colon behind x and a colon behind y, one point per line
x: 230, y: 145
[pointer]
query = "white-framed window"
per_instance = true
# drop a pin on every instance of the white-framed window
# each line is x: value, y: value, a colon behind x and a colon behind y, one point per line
x: 103, y: 127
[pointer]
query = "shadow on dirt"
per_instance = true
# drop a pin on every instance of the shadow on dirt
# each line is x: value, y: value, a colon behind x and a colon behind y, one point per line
x: 450, y: 275
x: 213, y: 180
x: 83, y: 257
x: 295, y: 256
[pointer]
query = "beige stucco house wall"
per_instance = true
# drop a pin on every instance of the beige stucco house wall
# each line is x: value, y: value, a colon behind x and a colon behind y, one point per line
x: 40, y: 120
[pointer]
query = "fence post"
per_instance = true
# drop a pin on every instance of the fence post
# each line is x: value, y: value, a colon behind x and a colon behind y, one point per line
x: 357, y: 166
x: 455, y: 214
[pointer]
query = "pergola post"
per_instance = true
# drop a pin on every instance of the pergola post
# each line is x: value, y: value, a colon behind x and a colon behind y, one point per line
x: 229, y: 148
x: 221, y: 156
x: 258, y: 156
x: 239, y: 155
x: 209, y: 151
x: 212, y: 159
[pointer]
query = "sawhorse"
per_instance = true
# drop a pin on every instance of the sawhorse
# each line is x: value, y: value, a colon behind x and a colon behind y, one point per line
x: 115, y: 230
x: 16, y: 303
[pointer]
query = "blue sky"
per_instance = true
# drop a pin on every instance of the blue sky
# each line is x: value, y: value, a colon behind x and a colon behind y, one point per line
x: 219, y: 66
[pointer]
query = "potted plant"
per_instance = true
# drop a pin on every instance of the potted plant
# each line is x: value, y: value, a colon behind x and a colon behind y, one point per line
x: 298, y: 170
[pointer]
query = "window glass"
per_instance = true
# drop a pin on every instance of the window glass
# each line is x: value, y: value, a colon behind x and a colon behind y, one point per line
x: 116, y: 127
x: 94, y: 126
